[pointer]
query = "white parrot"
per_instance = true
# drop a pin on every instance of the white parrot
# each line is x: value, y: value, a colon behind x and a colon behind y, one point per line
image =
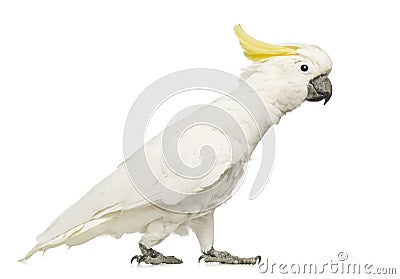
x: 283, y: 77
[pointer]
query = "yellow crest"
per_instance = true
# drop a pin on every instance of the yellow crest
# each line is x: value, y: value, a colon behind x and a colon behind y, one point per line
x: 256, y: 50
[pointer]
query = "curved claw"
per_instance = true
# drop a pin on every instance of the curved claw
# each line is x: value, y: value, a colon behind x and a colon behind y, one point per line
x: 138, y: 258
x: 258, y: 259
x: 201, y: 257
x: 134, y: 258
x: 141, y: 259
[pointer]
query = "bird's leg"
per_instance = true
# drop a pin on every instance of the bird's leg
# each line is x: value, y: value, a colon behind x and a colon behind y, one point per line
x: 214, y: 256
x: 156, y: 232
x: 151, y: 256
x: 204, y: 229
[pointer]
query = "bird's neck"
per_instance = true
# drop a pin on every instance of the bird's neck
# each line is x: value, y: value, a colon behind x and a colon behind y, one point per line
x: 266, y: 93
x: 264, y: 112
x: 252, y: 111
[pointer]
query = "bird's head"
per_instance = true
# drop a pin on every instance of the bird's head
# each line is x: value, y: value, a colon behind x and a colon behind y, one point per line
x: 286, y: 75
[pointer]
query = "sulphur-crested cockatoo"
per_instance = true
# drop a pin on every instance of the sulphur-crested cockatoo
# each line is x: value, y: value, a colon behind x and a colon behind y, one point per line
x: 282, y: 77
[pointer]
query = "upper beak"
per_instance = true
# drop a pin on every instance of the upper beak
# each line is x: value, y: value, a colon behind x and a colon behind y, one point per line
x: 319, y: 88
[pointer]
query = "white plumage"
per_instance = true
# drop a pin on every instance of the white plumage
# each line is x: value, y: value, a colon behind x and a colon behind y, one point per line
x: 115, y: 207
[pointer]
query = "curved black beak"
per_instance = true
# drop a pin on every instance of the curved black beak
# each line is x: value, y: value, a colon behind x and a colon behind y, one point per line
x: 320, y: 88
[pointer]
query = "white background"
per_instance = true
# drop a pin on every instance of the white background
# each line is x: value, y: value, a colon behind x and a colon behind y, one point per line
x: 70, y: 70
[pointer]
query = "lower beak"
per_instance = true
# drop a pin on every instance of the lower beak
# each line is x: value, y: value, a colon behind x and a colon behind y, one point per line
x: 320, y: 88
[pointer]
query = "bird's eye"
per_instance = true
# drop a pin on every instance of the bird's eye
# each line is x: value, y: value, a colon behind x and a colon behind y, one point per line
x: 304, y: 68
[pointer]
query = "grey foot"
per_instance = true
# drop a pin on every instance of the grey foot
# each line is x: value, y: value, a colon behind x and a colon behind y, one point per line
x: 151, y: 256
x: 214, y: 256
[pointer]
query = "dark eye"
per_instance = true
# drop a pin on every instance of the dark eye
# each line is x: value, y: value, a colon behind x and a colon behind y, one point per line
x: 304, y: 68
